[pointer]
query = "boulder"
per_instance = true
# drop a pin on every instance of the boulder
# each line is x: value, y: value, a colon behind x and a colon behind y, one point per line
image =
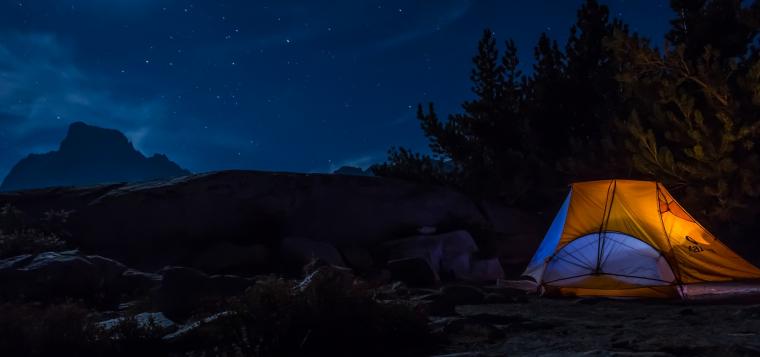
x: 450, y: 255
x: 482, y: 270
x: 227, y: 285
x: 301, y: 251
x: 14, y: 262
x: 151, y: 224
x: 56, y: 275
x: 108, y: 269
x: 135, y: 281
x: 413, y: 271
x: 226, y: 257
x: 184, y: 290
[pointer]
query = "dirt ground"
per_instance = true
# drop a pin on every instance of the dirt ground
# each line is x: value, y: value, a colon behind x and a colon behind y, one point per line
x: 536, y: 326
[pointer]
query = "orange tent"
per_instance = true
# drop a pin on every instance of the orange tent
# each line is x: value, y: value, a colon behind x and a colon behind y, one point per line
x: 629, y: 239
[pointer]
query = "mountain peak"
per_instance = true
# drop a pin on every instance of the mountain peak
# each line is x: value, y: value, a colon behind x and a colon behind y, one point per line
x: 83, y: 137
x: 89, y: 155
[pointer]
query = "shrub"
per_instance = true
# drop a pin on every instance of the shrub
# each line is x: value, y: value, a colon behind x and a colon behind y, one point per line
x: 323, y: 316
x: 317, y: 316
x: 36, y: 330
x: 131, y: 338
x: 18, y: 237
x: 28, y: 241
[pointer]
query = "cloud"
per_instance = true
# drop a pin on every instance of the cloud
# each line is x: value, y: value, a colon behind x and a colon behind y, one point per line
x: 42, y: 90
x: 350, y: 26
x: 402, y: 119
x: 427, y: 25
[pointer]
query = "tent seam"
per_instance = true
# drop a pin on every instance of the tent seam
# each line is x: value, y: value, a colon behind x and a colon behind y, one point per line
x: 677, y: 271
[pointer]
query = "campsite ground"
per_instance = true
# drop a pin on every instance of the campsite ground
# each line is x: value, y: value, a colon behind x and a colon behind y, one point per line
x: 149, y: 269
x: 603, y: 327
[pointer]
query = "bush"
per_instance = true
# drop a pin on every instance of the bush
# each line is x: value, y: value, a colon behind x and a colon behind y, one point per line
x: 324, y: 315
x: 36, y: 330
x: 68, y: 329
x: 18, y: 237
x: 130, y: 338
x: 28, y: 241
x: 319, y: 316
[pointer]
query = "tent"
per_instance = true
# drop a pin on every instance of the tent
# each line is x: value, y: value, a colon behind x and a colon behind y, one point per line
x: 625, y: 238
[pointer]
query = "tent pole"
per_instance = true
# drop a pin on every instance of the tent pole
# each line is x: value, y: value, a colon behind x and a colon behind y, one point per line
x: 674, y: 265
x: 602, y: 228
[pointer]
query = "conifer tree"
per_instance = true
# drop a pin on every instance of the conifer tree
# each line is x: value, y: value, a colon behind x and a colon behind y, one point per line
x: 483, y: 144
x: 574, y: 96
x: 545, y: 99
x: 591, y: 70
x: 694, y: 125
x: 725, y: 26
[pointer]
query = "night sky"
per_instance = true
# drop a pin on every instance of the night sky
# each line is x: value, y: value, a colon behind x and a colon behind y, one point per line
x: 303, y: 86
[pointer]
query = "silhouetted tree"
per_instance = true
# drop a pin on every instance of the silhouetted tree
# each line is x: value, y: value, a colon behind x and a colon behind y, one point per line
x: 609, y: 104
x: 694, y: 120
x: 545, y: 94
x: 405, y: 164
x: 576, y: 95
x: 725, y: 26
x: 547, y: 129
x: 483, y: 144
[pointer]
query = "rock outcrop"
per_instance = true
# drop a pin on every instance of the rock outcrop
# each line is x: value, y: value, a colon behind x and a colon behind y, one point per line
x: 89, y: 155
x: 57, y: 275
x: 187, y: 220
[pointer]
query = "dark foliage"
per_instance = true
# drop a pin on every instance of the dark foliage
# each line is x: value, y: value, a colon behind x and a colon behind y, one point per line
x: 19, y: 237
x: 524, y: 132
x: 408, y: 165
x: 693, y: 119
x: 32, y: 330
x: 609, y: 104
x: 325, y: 314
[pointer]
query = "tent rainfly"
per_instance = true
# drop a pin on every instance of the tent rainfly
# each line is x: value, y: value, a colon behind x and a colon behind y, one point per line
x: 625, y: 238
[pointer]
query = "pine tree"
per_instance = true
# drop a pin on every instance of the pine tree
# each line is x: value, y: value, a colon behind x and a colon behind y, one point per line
x: 545, y: 99
x: 591, y: 70
x: 405, y: 164
x: 574, y: 96
x: 693, y: 126
x: 483, y: 144
x: 724, y: 26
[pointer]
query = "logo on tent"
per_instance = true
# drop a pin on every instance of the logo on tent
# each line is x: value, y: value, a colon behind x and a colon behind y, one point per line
x: 696, y: 248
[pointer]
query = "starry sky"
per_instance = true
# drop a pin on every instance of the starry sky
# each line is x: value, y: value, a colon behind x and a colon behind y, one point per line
x: 304, y: 86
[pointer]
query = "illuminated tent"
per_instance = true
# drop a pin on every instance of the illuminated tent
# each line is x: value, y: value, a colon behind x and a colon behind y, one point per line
x: 628, y: 238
